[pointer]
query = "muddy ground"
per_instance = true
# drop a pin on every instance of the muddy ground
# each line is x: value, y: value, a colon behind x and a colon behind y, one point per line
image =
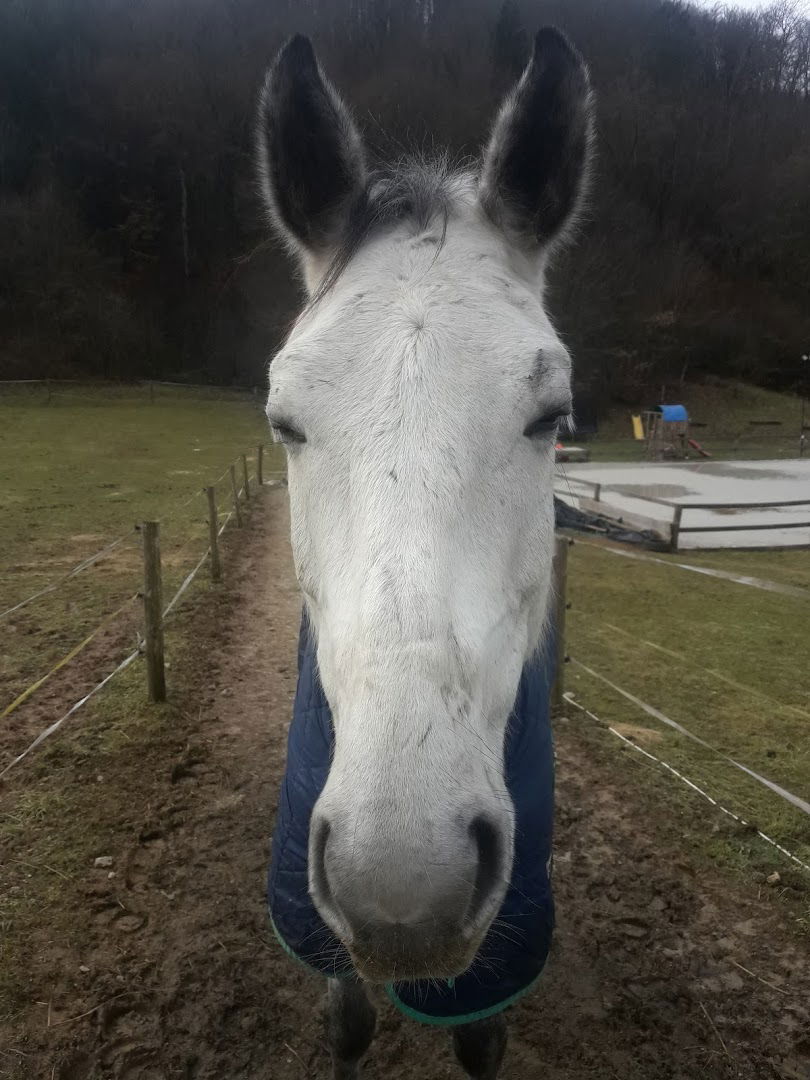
x: 660, y: 969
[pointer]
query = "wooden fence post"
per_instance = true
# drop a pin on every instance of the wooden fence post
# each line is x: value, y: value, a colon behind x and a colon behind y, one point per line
x: 559, y: 576
x: 237, y: 510
x: 153, y: 611
x: 245, y: 477
x: 213, y: 535
x: 259, y: 465
x: 675, y: 528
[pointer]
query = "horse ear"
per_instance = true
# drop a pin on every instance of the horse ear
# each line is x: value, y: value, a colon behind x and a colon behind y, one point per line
x: 535, y: 167
x: 310, y: 154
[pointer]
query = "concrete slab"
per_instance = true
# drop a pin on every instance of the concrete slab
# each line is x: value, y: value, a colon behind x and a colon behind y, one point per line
x: 646, y: 494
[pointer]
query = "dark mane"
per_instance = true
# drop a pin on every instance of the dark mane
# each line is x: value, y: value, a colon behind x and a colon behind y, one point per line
x: 415, y: 189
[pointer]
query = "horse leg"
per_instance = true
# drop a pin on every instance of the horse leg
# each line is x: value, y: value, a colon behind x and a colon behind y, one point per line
x: 480, y: 1047
x: 350, y: 1023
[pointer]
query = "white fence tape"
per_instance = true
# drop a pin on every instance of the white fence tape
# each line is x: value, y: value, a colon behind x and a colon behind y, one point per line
x: 83, y: 565
x: 683, y: 659
x: 569, y: 697
x: 43, y: 735
x: 187, y: 580
x: 800, y: 804
x: 725, y: 575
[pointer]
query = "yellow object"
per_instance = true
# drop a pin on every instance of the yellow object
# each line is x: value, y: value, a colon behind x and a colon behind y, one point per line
x: 26, y: 694
x: 638, y: 428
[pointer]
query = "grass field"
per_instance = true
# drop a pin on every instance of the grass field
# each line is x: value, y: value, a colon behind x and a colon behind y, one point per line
x: 79, y: 470
x: 726, y: 661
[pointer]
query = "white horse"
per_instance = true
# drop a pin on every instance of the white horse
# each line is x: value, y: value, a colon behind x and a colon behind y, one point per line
x: 418, y: 397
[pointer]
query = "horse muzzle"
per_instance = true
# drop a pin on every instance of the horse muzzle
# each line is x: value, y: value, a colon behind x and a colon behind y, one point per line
x: 410, y: 899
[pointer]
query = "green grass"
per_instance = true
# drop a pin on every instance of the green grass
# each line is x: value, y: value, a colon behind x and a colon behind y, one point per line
x: 747, y: 449
x: 81, y: 470
x: 606, y: 449
x: 786, y: 567
x: 734, y: 671
x: 726, y: 661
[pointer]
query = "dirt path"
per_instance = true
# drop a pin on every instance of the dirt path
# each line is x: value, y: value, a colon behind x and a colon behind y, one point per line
x: 644, y: 982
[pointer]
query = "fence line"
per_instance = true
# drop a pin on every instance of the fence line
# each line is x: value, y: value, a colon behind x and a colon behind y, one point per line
x: 709, y: 571
x: 82, y: 645
x: 91, y: 560
x: 199, y: 386
x: 152, y: 613
x: 180, y: 506
x: 193, y: 573
x: 569, y: 697
x: 74, y: 652
x: 43, y: 735
x: 794, y: 800
x: 559, y: 573
x: 145, y: 383
x: 125, y: 663
x: 83, y: 565
x: 787, y: 796
x: 209, y: 551
x: 213, y: 534
x: 192, y: 538
x: 706, y: 671
x: 683, y: 659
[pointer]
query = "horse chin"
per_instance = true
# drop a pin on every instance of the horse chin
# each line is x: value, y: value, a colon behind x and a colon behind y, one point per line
x: 404, y: 961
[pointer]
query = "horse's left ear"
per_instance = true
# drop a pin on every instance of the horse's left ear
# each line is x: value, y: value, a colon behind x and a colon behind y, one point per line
x: 535, y: 167
x: 310, y: 154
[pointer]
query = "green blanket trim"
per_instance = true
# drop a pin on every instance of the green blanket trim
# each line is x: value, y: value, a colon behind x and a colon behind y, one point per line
x: 467, y: 1018
x: 413, y: 1014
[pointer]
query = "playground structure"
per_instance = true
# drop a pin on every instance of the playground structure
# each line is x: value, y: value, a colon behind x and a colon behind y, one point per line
x: 666, y: 432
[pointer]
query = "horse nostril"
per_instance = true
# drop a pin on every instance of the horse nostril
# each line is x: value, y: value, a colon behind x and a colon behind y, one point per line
x: 487, y: 875
x: 319, y: 839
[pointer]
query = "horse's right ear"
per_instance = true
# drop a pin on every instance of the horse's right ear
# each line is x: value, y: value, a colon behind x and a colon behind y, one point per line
x: 310, y: 154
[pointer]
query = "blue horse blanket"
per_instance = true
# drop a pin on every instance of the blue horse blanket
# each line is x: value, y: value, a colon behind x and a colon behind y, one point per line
x: 514, y: 952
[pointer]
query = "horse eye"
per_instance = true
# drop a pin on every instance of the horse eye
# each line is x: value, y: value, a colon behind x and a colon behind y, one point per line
x: 285, y: 433
x: 547, y: 423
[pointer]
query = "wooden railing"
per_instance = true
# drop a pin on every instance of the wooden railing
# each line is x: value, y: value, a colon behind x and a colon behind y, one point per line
x: 677, y: 527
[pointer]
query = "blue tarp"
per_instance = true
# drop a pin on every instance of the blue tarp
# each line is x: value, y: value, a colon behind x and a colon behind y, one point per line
x: 673, y: 413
